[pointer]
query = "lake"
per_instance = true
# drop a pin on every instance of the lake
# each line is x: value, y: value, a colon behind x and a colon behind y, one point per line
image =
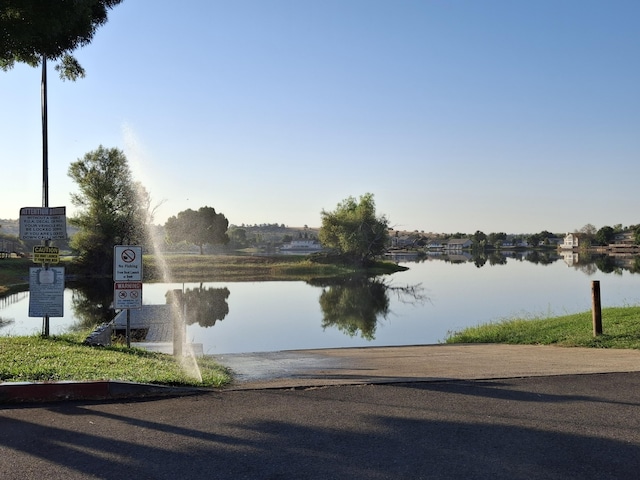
x: 445, y: 296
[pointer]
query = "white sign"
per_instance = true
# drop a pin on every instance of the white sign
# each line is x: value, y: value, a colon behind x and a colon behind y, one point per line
x: 127, y: 263
x: 127, y: 295
x: 43, y: 223
x: 46, y: 292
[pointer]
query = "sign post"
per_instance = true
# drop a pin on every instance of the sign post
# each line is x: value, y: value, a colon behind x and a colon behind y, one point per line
x: 127, y: 277
x: 45, y: 223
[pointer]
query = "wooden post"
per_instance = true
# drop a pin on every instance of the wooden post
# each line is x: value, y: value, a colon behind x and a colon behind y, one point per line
x: 596, y: 308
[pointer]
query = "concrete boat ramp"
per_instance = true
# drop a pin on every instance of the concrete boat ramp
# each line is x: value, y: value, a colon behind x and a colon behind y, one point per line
x: 152, y: 328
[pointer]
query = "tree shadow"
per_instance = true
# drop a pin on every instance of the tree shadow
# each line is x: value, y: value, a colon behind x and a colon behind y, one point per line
x: 350, y: 432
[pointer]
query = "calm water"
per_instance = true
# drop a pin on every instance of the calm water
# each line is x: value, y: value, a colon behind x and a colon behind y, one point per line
x: 272, y: 316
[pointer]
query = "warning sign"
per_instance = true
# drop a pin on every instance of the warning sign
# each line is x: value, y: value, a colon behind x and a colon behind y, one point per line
x: 42, y: 254
x: 43, y: 223
x: 127, y: 295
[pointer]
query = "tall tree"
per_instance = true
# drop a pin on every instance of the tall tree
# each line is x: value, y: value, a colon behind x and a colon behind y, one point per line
x: 33, y: 30
x: 354, y: 230
x: 112, y: 208
x: 200, y: 228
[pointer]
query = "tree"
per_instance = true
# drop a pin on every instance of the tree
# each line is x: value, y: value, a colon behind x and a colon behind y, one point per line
x: 201, y: 227
x: 33, y: 30
x: 605, y: 235
x: 589, y: 229
x: 112, y: 208
x: 354, y: 230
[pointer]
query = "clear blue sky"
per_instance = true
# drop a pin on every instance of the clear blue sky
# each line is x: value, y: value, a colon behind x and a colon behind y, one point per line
x: 493, y: 115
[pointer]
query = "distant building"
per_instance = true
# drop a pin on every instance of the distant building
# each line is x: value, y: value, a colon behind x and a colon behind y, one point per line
x: 458, y: 244
x: 571, y: 241
x: 302, y: 245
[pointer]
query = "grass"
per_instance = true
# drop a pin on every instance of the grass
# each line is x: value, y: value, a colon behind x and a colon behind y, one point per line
x: 194, y: 268
x: 620, y: 325
x: 13, y: 272
x: 65, y: 357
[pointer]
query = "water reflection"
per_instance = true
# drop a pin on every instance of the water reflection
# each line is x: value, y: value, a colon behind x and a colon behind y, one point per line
x: 270, y: 316
x: 355, y: 305
x: 204, y: 306
x: 587, y: 262
x: 92, y: 303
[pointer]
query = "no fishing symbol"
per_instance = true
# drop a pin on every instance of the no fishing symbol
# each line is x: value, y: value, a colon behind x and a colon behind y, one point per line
x: 128, y: 256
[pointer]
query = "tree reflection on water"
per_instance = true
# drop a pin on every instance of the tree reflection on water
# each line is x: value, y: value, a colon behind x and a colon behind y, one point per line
x: 354, y: 305
x: 204, y: 306
x: 92, y: 302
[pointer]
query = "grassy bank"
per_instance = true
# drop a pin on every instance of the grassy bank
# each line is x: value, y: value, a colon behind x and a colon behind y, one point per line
x: 65, y: 357
x: 196, y: 268
x: 211, y: 268
x: 621, y: 329
x: 13, y: 273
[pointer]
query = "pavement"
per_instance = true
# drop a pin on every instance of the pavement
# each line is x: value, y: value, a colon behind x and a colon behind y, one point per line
x: 357, y: 366
x: 418, y: 412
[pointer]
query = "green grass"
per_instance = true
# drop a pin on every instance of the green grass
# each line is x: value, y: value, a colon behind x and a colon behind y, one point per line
x: 65, y: 357
x: 194, y: 268
x: 13, y: 271
x: 620, y: 326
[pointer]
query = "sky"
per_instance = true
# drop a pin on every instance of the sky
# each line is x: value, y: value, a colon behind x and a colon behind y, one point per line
x: 494, y: 115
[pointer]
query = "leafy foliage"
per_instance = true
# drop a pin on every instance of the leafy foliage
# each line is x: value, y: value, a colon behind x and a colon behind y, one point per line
x: 201, y: 227
x: 354, y: 230
x: 113, y: 209
x: 33, y: 29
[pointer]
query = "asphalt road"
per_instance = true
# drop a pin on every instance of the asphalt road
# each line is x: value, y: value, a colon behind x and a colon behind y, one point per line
x: 545, y: 427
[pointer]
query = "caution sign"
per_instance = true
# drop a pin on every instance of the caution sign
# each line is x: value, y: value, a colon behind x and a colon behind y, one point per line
x: 42, y: 254
x: 127, y: 295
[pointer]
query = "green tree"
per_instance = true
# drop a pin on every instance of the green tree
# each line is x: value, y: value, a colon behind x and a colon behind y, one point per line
x: 201, y: 227
x: 112, y: 208
x: 496, y: 239
x: 238, y: 236
x: 33, y: 30
x: 354, y: 230
x: 605, y: 235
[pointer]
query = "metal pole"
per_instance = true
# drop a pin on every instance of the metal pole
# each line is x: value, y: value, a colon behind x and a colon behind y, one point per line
x: 128, y: 328
x: 45, y: 166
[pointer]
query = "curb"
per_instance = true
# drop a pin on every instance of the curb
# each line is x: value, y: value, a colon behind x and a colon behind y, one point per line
x: 27, y: 392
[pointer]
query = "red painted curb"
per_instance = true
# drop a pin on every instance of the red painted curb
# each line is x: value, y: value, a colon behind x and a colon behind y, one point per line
x: 24, y: 392
x: 31, y: 392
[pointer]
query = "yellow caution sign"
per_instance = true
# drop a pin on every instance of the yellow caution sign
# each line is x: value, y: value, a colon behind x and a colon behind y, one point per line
x: 42, y: 254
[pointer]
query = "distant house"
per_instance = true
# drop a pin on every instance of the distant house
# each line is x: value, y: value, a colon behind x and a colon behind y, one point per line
x: 401, y: 242
x: 436, y: 244
x: 302, y: 245
x: 513, y: 242
x: 624, y: 238
x: 458, y: 244
x: 570, y: 241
